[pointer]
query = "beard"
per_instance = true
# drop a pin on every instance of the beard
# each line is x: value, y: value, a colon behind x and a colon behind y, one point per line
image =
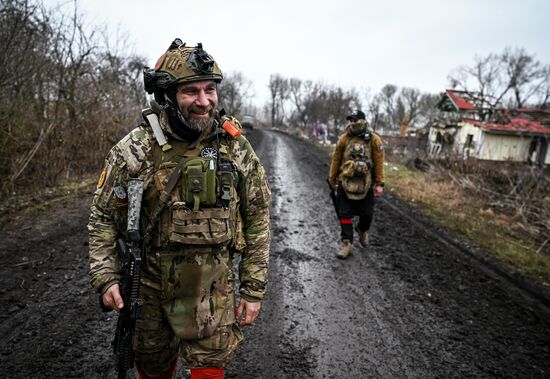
x: 198, y: 124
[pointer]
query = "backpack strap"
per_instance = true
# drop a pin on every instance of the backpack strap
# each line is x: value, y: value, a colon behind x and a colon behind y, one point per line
x: 153, y: 120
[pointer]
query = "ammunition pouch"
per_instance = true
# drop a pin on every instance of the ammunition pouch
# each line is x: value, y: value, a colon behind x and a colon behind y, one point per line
x: 208, y: 226
x: 226, y: 182
x: 199, y: 182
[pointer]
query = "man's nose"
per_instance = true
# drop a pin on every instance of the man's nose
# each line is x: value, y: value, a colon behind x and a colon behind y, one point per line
x: 202, y: 99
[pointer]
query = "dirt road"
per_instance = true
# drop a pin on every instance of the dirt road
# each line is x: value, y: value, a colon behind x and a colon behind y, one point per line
x: 408, y: 306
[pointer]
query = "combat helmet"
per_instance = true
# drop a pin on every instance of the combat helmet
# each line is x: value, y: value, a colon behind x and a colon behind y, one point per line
x: 179, y: 64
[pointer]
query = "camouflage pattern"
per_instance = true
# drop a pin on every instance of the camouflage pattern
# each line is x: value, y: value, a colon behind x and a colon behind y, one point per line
x: 186, y: 64
x: 341, y: 152
x: 168, y: 284
x: 188, y: 289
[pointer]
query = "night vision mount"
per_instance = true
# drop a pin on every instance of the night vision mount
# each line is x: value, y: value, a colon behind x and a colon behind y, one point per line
x: 200, y: 61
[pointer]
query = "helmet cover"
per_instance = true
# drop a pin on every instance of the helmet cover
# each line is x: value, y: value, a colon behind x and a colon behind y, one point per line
x: 180, y: 64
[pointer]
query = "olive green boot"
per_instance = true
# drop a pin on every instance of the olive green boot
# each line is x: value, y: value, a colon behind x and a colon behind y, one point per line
x: 363, y: 237
x: 345, y: 251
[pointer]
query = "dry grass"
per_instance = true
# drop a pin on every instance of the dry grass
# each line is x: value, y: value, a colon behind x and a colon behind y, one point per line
x: 34, y: 199
x: 472, y: 217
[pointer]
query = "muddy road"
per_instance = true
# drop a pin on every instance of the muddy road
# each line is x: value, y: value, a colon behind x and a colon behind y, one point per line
x: 407, y: 306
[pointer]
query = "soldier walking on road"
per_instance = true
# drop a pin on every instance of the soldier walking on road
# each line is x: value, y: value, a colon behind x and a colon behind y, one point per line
x: 206, y: 198
x: 357, y: 176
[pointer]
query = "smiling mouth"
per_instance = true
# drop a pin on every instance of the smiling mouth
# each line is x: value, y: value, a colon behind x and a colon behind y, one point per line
x: 200, y: 114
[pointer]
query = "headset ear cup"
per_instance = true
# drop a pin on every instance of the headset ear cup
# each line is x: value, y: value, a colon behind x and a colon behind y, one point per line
x: 159, y: 96
x: 149, y: 77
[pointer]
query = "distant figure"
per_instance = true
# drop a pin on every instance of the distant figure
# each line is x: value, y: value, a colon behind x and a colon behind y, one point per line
x: 205, y: 200
x: 315, y: 131
x: 357, y: 176
x: 324, y: 132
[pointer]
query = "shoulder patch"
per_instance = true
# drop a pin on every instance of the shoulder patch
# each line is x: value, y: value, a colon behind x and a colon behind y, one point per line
x: 101, y: 180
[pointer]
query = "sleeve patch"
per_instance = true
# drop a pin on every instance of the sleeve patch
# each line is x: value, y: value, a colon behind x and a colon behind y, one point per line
x: 102, y: 177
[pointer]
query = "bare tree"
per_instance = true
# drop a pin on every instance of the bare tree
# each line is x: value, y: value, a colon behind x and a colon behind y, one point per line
x: 511, y: 78
x: 65, y: 95
x: 427, y: 108
x: 388, y: 102
x: 483, y: 78
x: 524, y: 74
x: 410, y: 100
x: 316, y: 96
x: 373, y: 109
x: 278, y: 89
x: 544, y: 89
x: 234, y: 91
x: 297, y: 97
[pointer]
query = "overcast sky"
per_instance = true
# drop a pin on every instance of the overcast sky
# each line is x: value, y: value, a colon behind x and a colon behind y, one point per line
x: 359, y: 43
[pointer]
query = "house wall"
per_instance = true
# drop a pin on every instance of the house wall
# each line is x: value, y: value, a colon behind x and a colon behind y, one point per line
x: 433, y: 147
x: 498, y: 147
x: 436, y: 148
x: 483, y: 145
x: 462, y: 137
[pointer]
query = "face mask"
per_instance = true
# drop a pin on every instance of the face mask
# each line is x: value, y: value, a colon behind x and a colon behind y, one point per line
x: 358, y: 128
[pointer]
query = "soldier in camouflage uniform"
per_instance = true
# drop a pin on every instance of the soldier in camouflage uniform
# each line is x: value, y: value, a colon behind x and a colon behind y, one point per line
x: 357, y: 176
x: 218, y: 208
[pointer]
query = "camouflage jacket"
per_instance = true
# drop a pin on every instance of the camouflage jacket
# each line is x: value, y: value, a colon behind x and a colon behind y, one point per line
x: 377, y: 152
x: 133, y: 157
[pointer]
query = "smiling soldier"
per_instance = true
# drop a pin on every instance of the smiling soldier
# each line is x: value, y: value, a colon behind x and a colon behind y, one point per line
x: 206, y: 198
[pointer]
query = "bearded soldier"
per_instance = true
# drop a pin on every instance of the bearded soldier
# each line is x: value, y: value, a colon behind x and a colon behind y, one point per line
x: 357, y: 176
x: 205, y: 199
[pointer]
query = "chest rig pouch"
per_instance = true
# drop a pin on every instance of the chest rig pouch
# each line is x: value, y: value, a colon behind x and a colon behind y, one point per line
x: 355, y: 173
x: 199, y: 182
x: 207, y: 212
x: 203, y: 198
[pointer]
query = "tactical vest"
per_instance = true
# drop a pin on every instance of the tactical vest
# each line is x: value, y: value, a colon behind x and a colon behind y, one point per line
x: 356, y: 168
x: 203, y: 207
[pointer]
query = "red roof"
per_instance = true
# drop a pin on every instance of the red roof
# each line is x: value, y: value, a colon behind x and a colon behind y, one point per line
x: 516, y: 125
x: 460, y: 102
x: 532, y: 110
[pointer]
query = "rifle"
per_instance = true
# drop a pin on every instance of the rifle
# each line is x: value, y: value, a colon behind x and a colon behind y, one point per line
x: 129, y: 253
x: 333, y: 198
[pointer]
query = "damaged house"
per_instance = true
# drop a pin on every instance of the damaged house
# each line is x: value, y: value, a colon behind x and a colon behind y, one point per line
x: 470, y: 129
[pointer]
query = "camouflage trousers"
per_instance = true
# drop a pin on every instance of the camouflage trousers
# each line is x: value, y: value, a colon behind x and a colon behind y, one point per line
x: 188, y: 310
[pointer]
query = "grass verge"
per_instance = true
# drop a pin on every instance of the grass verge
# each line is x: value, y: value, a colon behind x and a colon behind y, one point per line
x: 38, y: 199
x: 450, y: 206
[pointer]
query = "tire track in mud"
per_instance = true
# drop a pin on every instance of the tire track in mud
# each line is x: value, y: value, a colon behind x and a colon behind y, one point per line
x: 322, y: 314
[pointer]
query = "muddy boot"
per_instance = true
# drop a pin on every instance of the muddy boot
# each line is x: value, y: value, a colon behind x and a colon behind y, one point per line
x: 363, y: 237
x: 346, y: 250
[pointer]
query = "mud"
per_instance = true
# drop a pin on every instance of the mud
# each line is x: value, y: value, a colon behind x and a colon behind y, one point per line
x: 407, y: 306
